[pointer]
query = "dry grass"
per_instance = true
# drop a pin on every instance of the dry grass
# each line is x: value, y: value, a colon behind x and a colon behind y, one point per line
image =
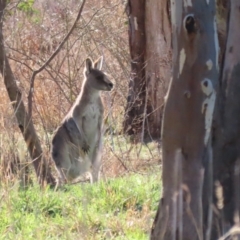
x: 30, y: 39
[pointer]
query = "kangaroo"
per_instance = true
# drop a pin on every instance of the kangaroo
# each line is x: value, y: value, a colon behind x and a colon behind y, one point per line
x: 77, y: 142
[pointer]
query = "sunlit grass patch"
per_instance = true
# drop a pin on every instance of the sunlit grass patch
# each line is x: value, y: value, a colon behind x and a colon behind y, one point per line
x: 120, y: 208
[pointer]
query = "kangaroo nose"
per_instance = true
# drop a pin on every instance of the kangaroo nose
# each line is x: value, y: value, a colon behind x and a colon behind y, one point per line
x: 110, y: 85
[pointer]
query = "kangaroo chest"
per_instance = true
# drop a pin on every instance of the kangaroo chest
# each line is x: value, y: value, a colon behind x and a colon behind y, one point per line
x: 91, y: 119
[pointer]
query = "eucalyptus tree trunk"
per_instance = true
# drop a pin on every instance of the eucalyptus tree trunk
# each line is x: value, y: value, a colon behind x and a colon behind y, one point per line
x: 226, y: 145
x: 134, y: 113
x: 158, y: 63
x: 187, y: 121
x: 150, y: 50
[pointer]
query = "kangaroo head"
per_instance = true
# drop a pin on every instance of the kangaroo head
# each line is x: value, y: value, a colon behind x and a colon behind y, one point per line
x: 96, y: 78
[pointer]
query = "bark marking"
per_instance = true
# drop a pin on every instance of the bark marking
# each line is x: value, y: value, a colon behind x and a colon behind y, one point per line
x: 189, y: 23
x: 187, y: 3
x: 182, y: 60
x: 173, y: 10
x: 135, y: 23
x: 216, y: 40
x: 219, y: 195
x: 169, y: 87
x: 209, y: 64
x: 187, y: 94
x: 208, y: 106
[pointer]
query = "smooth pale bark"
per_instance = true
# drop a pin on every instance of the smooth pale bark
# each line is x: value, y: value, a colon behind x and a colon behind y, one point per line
x: 186, y: 135
x: 24, y: 122
x: 226, y: 145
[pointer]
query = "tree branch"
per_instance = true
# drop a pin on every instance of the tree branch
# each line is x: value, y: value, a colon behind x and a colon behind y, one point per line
x: 25, y: 123
x: 30, y: 94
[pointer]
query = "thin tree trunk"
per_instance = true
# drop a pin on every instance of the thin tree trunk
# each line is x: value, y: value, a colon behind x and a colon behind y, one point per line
x: 226, y: 143
x: 150, y: 49
x: 186, y: 139
x: 24, y: 122
x: 135, y: 108
x: 158, y: 62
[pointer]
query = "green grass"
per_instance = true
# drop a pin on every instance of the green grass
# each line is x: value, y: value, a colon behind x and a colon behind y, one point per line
x: 120, y: 208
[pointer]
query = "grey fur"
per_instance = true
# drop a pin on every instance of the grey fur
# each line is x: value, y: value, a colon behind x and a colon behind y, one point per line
x: 77, y: 143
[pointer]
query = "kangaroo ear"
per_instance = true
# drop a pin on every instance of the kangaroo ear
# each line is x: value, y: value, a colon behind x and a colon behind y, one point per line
x: 88, y: 65
x: 98, y: 64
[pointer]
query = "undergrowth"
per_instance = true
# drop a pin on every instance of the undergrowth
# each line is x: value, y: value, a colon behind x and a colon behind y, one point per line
x: 120, y: 208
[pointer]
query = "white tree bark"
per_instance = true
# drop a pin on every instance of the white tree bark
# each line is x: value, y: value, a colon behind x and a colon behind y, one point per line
x: 186, y: 132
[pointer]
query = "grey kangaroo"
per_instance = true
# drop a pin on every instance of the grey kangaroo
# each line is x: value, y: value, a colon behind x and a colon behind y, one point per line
x: 77, y: 142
